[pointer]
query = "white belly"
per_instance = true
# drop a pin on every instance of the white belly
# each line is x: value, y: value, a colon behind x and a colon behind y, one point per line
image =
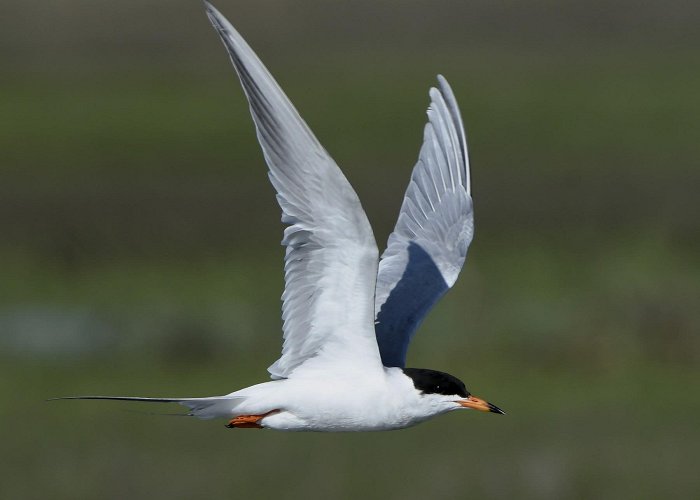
x: 336, y: 404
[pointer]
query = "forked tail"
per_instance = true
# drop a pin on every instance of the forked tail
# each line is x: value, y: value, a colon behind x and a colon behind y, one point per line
x: 204, y: 408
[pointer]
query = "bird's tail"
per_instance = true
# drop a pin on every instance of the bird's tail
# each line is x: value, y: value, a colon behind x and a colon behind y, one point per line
x: 204, y: 408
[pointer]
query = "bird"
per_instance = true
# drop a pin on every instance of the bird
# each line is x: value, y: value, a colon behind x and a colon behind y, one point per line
x: 349, y: 315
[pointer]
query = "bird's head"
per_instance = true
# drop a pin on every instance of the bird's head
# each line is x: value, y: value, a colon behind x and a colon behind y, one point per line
x: 445, y: 392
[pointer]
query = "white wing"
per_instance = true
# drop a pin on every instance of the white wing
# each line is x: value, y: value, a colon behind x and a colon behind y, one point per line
x: 331, y: 256
x: 429, y: 244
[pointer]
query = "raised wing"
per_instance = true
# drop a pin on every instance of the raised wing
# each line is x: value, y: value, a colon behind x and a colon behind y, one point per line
x: 331, y: 256
x: 429, y: 244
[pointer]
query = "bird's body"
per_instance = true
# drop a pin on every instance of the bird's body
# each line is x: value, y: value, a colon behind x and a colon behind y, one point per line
x: 335, y: 402
x: 349, y: 316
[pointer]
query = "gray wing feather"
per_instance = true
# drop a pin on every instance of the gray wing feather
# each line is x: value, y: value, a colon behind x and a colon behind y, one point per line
x: 331, y: 256
x: 427, y: 249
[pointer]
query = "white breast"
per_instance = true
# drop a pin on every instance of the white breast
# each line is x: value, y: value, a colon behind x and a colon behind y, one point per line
x: 337, y: 404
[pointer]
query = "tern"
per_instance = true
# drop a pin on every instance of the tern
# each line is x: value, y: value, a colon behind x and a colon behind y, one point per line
x: 348, y: 316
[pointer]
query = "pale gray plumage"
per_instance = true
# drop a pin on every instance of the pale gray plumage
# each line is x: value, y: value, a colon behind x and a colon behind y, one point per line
x: 436, y: 220
x: 329, y: 230
x: 331, y: 257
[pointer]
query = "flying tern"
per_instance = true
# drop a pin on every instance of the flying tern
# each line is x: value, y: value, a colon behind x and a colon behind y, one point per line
x: 348, y: 316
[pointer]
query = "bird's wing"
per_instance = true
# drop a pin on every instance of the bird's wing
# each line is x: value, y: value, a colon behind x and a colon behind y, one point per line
x: 331, y: 255
x: 427, y: 249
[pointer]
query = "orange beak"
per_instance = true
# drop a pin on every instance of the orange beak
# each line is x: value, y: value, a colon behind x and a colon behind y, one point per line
x: 479, y: 404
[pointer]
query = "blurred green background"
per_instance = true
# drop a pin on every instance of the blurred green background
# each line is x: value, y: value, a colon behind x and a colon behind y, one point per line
x: 140, y: 243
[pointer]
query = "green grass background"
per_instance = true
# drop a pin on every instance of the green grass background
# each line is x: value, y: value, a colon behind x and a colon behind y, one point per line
x: 140, y: 244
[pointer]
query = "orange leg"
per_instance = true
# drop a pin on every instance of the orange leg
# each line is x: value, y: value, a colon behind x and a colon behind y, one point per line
x: 248, y: 421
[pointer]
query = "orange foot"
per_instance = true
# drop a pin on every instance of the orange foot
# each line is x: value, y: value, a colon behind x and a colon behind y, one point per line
x: 248, y: 421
